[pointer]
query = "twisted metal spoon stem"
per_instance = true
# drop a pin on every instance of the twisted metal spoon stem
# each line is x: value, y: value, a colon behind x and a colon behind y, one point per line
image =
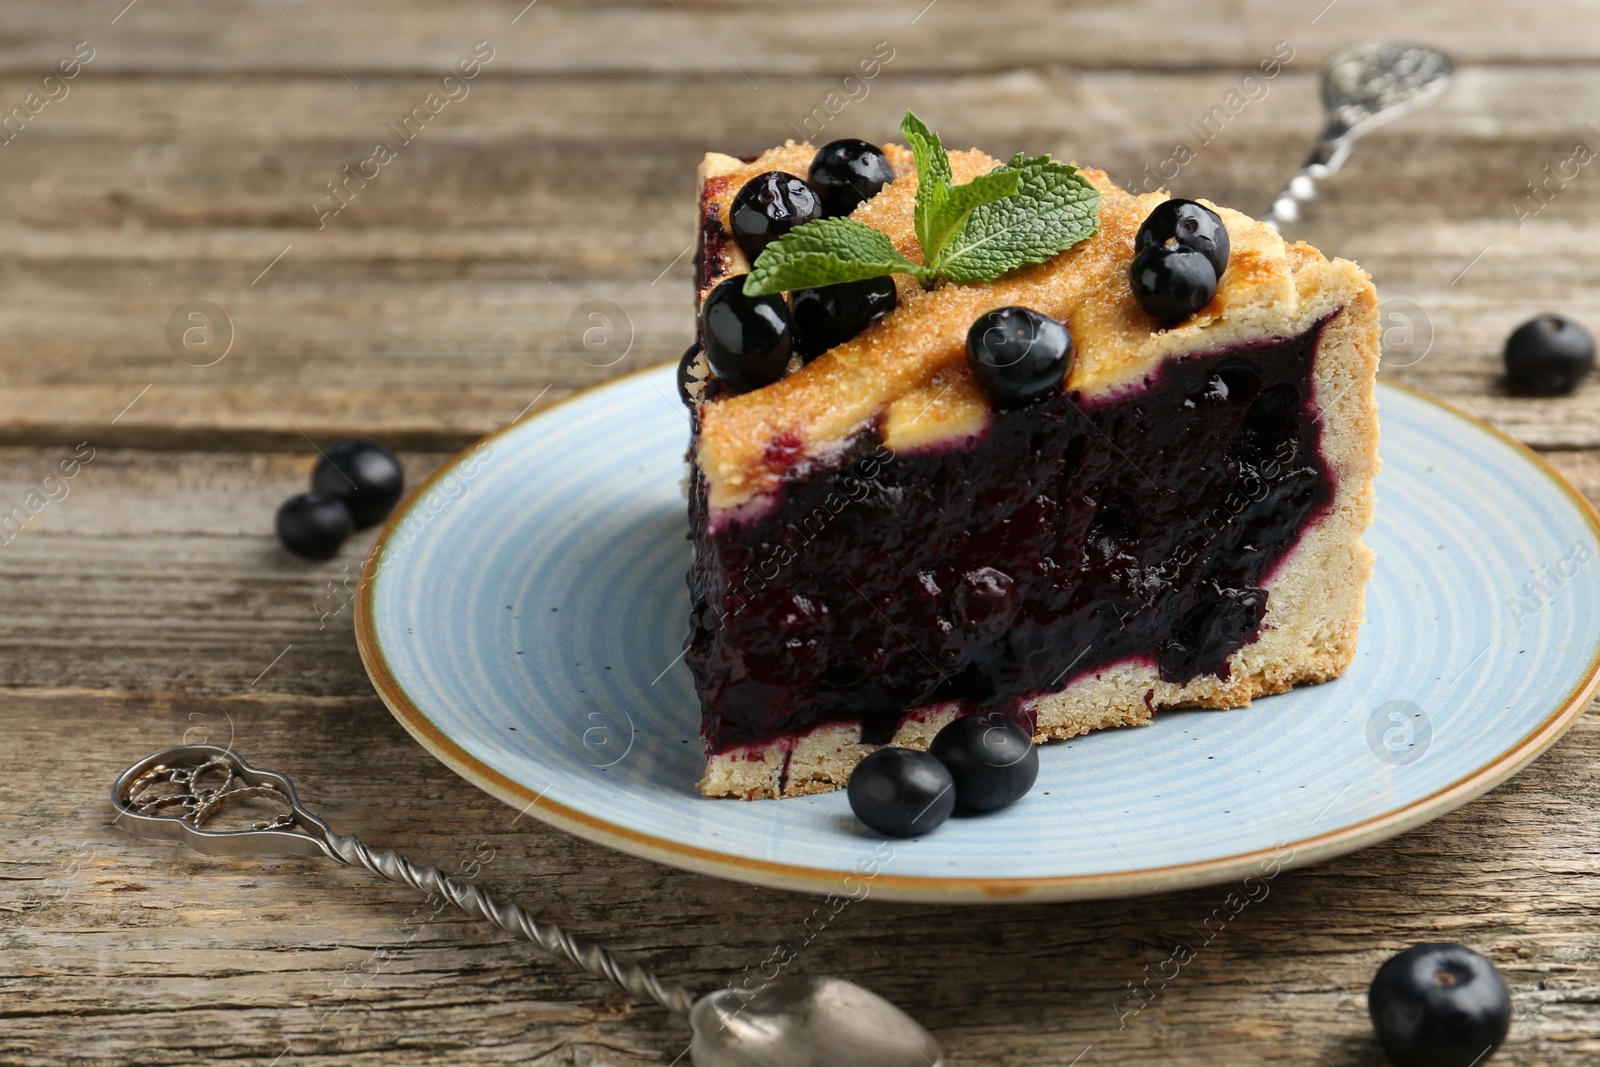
x: 474, y: 901
x: 175, y: 794
x: 790, y: 1021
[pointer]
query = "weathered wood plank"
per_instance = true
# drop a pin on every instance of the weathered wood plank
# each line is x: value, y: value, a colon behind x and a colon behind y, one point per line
x: 720, y: 36
x: 159, y: 572
x: 150, y: 603
x: 117, y: 950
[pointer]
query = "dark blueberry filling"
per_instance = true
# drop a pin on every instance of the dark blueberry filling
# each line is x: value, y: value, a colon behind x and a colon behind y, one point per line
x: 1071, y: 536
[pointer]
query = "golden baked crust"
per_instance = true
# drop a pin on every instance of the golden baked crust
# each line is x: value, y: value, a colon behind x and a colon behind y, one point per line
x: 917, y: 354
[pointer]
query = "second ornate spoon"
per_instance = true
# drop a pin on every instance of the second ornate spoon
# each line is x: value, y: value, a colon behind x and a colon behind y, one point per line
x: 788, y: 1022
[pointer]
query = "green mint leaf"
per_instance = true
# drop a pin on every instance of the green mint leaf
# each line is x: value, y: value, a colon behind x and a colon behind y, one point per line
x: 1053, y: 209
x: 1022, y: 212
x: 826, y: 252
x: 933, y: 177
x: 957, y: 206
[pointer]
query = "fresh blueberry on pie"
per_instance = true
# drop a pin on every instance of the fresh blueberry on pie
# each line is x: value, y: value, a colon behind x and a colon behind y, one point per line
x: 846, y: 172
x: 746, y: 339
x: 830, y: 315
x: 768, y: 206
x: 1129, y: 493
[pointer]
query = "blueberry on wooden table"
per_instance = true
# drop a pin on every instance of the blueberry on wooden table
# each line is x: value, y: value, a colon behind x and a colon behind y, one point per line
x: 313, y: 525
x: 901, y: 793
x: 1439, y: 1005
x: 367, y: 477
x: 1548, y: 356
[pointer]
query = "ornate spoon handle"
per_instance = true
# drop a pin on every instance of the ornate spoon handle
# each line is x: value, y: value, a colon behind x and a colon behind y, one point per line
x: 1362, y: 88
x: 174, y: 793
x: 1301, y: 187
x: 512, y: 919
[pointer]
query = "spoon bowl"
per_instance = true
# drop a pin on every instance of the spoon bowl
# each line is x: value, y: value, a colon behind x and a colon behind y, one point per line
x: 1370, y: 84
x: 1363, y: 87
x: 807, y: 1022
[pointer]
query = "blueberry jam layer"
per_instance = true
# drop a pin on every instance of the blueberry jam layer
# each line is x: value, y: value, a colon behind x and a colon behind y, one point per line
x: 1071, y: 536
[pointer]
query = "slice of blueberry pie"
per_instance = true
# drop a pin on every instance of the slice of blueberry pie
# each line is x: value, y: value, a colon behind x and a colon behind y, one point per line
x: 973, y: 435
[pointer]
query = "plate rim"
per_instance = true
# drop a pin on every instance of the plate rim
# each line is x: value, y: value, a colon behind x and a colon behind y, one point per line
x: 936, y: 889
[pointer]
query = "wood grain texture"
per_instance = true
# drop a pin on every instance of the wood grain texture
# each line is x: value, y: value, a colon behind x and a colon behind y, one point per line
x: 149, y: 605
x: 715, y: 37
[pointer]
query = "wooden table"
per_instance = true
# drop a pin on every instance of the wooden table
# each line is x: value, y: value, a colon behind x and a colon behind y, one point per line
x: 189, y: 160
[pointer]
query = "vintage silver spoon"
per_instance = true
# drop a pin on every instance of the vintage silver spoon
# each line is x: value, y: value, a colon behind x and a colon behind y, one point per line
x: 1362, y: 88
x: 788, y: 1022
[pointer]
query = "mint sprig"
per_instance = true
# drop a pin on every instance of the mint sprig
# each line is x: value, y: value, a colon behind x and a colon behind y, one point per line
x: 943, y: 209
x: 1052, y: 209
x: 1022, y: 212
x: 825, y: 252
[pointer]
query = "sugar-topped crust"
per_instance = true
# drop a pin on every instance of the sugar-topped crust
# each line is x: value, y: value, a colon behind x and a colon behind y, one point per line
x: 907, y: 373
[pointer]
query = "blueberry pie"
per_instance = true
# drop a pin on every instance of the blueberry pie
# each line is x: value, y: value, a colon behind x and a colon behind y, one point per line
x: 1129, y: 476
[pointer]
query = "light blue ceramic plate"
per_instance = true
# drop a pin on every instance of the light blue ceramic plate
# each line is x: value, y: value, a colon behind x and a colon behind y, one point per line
x: 526, y: 610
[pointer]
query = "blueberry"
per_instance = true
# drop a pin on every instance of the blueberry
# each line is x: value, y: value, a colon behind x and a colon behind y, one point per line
x: 313, y: 526
x: 1439, y: 1005
x: 902, y: 793
x: 984, y: 599
x: 990, y: 758
x: 687, y: 376
x: 844, y: 173
x: 1018, y: 355
x: 1189, y: 225
x: 1548, y: 356
x: 1172, y: 282
x: 833, y: 314
x: 746, y: 338
x: 367, y: 477
x: 769, y: 206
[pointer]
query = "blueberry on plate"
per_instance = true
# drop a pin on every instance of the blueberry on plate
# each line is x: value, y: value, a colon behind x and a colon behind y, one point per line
x: 747, y: 338
x: 687, y: 376
x: 367, y: 477
x: 1172, y: 282
x: 990, y: 758
x: 769, y: 206
x: 832, y: 314
x: 313, y: 526
x: 1018, y: 355
x: 1439, y: 1005
x: 1186, y: 224
x: 846, y: 172
x: 901, y: 792
x: 1548, y: 356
